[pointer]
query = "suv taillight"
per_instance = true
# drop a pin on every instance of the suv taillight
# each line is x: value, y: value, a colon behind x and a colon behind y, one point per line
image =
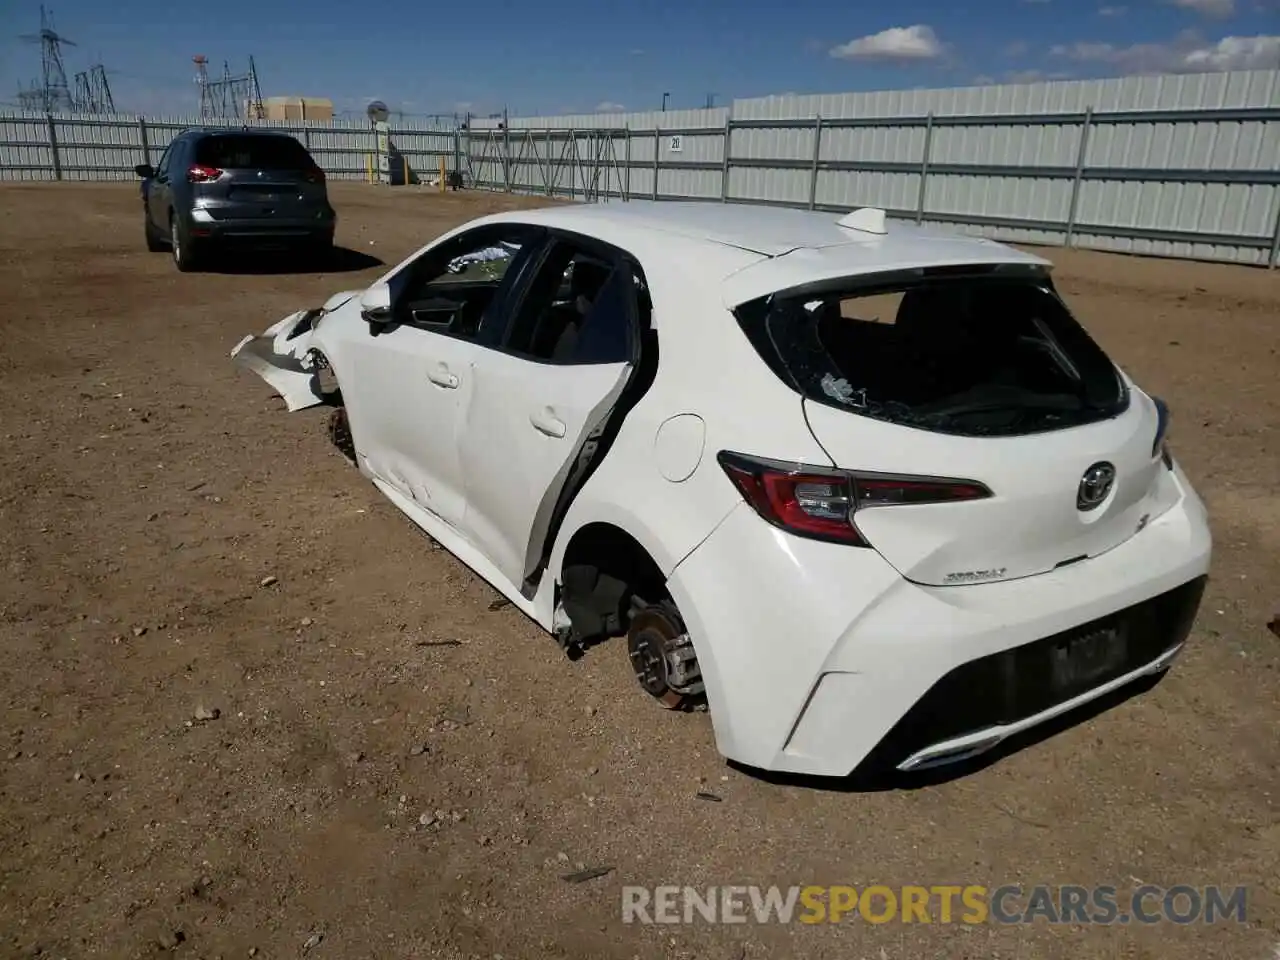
x: 199, y: 173
x: 314, y: 175
x: 820, y: 503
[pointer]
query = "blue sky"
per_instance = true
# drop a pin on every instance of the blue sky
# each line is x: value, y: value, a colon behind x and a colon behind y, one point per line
x: 558, y: 56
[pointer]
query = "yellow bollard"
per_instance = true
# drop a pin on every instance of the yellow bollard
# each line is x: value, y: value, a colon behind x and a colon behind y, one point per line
x: 442, y: 175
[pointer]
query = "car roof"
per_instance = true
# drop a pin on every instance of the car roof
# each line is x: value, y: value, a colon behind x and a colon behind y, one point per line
x: 197, y: 132
x: 774, y: 232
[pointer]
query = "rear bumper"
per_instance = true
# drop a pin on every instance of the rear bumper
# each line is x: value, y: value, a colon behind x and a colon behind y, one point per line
x: 818, y: 657
x: 263, y: 230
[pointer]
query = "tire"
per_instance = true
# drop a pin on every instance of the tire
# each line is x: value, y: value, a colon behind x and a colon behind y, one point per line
x: 155, y: 243
x: 185, y: 253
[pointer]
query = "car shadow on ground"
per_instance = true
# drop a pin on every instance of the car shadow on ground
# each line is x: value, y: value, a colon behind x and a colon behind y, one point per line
x: 339, y: 260
x: 878, y: 777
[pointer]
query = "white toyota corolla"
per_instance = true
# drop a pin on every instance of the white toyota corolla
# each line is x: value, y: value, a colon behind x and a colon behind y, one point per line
x: 866, y: 491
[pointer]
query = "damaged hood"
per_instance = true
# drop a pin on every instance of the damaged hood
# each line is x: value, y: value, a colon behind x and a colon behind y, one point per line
x: 338, y: 299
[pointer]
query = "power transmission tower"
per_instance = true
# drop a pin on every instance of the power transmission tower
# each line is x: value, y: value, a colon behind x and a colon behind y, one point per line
x: 54, y: 94
x: 93, y: 92
x: 232, y: 97
x: 202, y: 81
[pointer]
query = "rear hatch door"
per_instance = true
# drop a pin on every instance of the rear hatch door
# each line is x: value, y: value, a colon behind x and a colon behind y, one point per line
x: 965, y: 370
x: 262, y: 176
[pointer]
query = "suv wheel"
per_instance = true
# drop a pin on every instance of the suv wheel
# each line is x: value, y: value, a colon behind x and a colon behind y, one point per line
x: 184, y: 250
x: 155, y: 243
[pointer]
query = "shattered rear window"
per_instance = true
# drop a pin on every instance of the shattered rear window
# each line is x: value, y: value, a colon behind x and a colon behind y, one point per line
x: 977, y: 355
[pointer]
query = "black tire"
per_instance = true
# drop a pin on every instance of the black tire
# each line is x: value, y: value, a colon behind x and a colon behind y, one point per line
x: 186, y: 255
x: 155, y: 242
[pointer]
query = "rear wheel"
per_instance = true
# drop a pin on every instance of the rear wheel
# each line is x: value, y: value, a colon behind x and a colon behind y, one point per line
x: 662, y: 656
x: 155, y: 242
x: 185, y: 254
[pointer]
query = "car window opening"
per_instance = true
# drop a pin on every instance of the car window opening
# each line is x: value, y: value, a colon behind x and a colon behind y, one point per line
x: 971, y: 356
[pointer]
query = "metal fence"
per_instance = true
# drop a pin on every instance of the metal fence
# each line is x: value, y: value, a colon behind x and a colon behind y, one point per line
x: 1180, y: 166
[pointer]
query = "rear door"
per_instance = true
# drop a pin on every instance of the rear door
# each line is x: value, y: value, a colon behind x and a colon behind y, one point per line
x: 540, y: 401
x: 252, y: 175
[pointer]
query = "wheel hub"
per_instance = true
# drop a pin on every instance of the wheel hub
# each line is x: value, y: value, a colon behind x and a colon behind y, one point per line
x: 662, y: 656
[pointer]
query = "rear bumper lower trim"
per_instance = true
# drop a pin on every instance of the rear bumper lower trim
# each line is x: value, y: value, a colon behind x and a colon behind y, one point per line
x: 978, y: 742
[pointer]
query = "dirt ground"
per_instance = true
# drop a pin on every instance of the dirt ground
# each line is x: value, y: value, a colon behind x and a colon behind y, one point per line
x: 174, y: 543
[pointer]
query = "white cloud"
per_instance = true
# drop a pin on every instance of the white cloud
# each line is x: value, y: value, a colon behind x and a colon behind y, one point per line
x: 1209, y: 8
x: 608, y: 106
x: 1187, y: 53
x: 1018, y: 48
x: 1112, y: 11
x: 1236, y: 53
x: 917, y: 42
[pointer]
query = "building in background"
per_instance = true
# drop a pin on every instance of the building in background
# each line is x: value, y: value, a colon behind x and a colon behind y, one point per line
x: 297, y: 108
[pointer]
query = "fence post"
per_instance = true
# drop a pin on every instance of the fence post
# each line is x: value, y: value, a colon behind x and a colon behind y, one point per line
x: 626, y: 183
x: 724, y: 170
x: 657, y: 150
x: 546, y: 174
x: 53, y: 147
x: 457, y: 149
x: 1275, y: 243
x: 506, y: 151
x: 1069, y: 239
x: 925, y: 156
x: 306, y: 135
x: 142, y: 139
x: 817, y: 156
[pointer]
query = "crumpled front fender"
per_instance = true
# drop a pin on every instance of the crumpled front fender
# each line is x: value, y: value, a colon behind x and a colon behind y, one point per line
x: 281, y: 355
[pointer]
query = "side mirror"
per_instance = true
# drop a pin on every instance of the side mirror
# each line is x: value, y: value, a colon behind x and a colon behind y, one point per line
x: 145, y: 170
x: 375, y: 307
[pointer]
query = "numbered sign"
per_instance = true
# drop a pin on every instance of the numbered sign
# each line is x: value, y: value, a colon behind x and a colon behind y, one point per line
x: 675, y: 143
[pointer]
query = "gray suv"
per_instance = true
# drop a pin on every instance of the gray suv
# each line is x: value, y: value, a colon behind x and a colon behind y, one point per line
x: 215, y: 188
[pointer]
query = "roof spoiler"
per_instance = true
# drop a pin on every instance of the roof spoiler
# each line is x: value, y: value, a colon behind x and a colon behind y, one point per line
x: 865, y: 220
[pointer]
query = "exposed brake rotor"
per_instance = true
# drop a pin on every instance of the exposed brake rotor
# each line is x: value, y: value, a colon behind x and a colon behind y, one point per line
x: 662, y: 656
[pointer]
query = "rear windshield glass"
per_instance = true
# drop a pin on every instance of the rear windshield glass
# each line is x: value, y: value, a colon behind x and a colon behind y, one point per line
x: 232, y: 152
x: 975, y: 355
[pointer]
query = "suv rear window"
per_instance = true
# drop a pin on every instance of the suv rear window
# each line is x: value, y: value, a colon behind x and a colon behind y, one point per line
x: 977, y: 354
x: 238, y: 152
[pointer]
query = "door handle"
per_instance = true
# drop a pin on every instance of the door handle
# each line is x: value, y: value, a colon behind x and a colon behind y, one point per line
x: 546, y: 421
x: 441, y: 377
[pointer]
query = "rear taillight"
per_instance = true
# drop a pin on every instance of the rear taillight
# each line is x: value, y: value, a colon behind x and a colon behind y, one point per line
x: 314, y: 175
x: 199, y: 173
x: 821, y: 503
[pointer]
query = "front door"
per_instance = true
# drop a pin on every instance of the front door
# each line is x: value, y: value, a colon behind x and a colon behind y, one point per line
x: 415, y: 377
x: 568, y: 355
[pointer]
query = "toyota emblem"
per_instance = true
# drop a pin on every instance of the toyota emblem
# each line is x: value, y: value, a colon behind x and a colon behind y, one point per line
x: 1095, y: 485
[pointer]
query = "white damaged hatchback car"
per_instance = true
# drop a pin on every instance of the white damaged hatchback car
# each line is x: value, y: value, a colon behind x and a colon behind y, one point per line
x: 867, y: 492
